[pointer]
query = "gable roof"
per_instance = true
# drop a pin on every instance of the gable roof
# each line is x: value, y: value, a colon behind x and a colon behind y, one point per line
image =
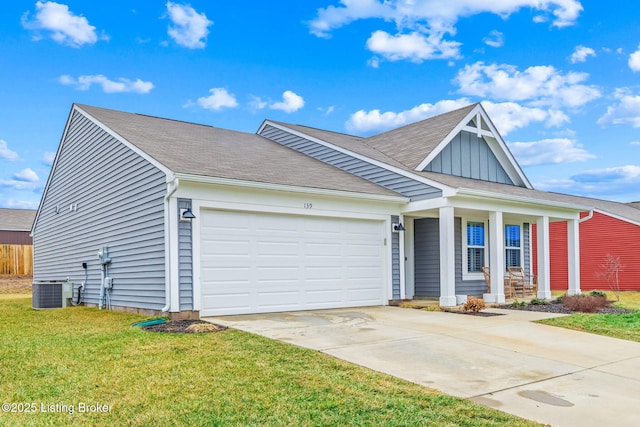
x: 412, y: 143
x: 16, y: 219
x: 410, y: 147
x: 194, y: 149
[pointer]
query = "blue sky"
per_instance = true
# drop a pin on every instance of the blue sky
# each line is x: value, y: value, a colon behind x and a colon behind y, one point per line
x: 560, y: 79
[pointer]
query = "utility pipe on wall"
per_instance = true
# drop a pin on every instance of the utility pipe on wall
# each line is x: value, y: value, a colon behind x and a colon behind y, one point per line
x: 173, y: 187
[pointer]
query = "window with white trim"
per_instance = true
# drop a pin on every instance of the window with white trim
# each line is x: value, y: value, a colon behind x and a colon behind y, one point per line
x: 475, y: 250
x: 512, y: 245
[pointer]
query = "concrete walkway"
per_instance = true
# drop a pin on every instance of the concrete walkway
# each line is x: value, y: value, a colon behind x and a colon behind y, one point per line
x: 547, y: 374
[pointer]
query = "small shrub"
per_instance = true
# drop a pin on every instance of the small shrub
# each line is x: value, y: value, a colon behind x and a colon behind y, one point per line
x: 559, y: 299
x: 538, y: 301
x: 597, y: 293
x: 584, y: 303
x: 517, y: 303
x: 474, y: 304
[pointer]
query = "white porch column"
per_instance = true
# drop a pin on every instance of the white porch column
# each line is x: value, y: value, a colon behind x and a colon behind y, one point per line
x: 573, y: 246
x: 447, y: 258
x: 496, y: 257
x: 544, y: 276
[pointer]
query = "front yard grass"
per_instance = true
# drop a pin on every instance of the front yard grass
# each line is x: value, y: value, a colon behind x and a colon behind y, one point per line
x: 55, y: 360
x: 624, y: 326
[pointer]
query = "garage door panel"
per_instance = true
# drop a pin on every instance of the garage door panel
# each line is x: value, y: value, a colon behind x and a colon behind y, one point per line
x: 269, y: 263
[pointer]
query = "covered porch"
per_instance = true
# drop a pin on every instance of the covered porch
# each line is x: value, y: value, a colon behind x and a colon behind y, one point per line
x: 447, y: 242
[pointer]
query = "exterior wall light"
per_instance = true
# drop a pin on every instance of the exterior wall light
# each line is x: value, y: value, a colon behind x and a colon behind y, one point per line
x: 187, y: 214
x: 398, y: 227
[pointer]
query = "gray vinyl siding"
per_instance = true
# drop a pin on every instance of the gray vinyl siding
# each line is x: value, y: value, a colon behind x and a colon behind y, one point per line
x: 427, y: 257
x: 427, y: 260
x: 526, y: 246
x: 470, y: 157
x: 120, y: 204
x: 185, y: 255
x: 395, y: 260
x: 406, y: 186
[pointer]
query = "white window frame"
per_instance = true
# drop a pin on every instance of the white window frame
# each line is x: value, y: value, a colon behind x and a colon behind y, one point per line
x: 466, y: 275
x: 521, y: 248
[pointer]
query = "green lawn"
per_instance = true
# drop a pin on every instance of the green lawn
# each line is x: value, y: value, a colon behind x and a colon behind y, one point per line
x: 79, y: 356
x: 624, y: 326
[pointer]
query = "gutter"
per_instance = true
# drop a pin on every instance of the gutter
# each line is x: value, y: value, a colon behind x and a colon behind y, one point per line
x: 173, y: 187
x: 522, y: 199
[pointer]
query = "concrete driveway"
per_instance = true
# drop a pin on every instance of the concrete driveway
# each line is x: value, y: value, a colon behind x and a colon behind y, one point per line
x: 547, y: 374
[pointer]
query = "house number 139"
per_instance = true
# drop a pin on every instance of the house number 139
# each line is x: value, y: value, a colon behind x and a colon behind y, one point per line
x: 308, y: 205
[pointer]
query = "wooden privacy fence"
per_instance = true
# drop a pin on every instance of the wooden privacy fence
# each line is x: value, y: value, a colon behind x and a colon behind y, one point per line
x: 16, y: 259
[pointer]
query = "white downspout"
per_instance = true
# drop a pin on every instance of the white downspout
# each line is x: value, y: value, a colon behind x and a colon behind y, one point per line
x: 588, y: 217
x: 173, y: 186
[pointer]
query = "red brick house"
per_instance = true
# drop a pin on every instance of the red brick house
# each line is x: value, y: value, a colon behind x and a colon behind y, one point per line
x: 611, y: 229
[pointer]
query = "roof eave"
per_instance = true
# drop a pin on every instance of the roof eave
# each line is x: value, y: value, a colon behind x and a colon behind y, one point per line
x: 202, y: 179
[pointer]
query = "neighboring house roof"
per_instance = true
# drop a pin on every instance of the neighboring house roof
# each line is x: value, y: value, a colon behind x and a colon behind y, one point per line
x: 622, y: 210
x: 634, y: 205
x: 16, y: 219
x: 195, y: 149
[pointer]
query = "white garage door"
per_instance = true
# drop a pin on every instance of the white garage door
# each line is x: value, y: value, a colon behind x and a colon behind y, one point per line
x: 257, y: 263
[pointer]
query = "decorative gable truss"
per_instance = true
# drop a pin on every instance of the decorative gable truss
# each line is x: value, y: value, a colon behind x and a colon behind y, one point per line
x: 474, y: 149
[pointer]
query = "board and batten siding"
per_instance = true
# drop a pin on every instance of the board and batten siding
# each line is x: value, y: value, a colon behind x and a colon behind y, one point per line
x: 101, y: 193
x: 395, y: 259
x: 404, y: 185
x: 468, y: 156
x: 427, y: 257
x: 185, y: 255
x: 427, y: 260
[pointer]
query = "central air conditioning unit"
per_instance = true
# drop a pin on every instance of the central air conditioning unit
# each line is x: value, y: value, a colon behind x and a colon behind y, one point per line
x: 51, y: 294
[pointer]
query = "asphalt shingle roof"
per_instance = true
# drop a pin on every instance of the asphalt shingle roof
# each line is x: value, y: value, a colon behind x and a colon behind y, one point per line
x: 16, y: 219
x: 411, y: 144
x: 209, y: 151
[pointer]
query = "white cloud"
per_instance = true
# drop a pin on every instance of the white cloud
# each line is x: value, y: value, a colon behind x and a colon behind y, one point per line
x: 326, y: 111
x: 26, y: 179
x: 290, y: 103
x: 122, y: 85
x: 549, y: 151
x: 48, y: 158
x: 415, y: 46
x: 19, y: 204
x: 538, y: 85
x: 625, y: 112
x: 634, y: 60
x: 366, y: 122
x: 218, y: 100
x: 581, y: 53
x: 422, y: 25
x: 494, y: 39
x: 189, y: 28
x: 614, y: 183
x: 634, y: 143
x: 509, y: 116
x: 62, y: 25
x: 27, y: 175
x: 257, y: 103
x: 6, y: 153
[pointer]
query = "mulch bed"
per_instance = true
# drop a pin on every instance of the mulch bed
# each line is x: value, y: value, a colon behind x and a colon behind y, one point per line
x: 185, y: 327
x: 558, y: 307
x: 478, y: 314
